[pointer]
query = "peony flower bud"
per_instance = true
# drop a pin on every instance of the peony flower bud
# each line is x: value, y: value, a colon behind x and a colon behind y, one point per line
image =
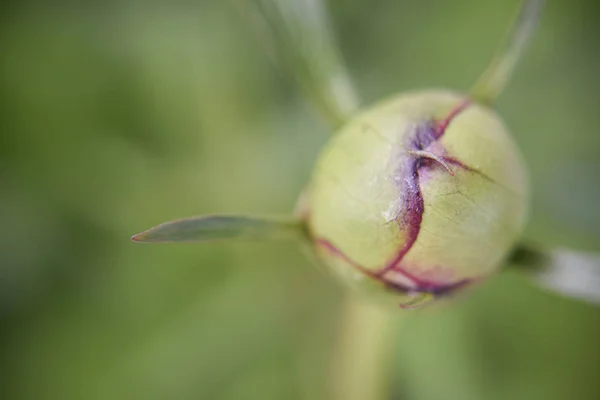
x: 420, y: 195
x: 414, y: 198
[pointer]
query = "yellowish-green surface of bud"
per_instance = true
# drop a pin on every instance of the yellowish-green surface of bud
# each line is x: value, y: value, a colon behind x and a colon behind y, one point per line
x: 418, y: 196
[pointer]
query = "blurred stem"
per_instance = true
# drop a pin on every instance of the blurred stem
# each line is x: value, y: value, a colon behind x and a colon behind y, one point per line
x: 297, y: 34
x: 362, y: 364
x: 496, y: 76
x: 566, y: 272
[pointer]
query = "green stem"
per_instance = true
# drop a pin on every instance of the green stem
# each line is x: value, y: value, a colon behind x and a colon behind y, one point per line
x: 362, y: 363
x: 496, y: 76
x: 567, y: 272
x: 298, y: 35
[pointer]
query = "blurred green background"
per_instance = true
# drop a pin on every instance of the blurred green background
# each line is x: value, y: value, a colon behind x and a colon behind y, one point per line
x: 120, y: 115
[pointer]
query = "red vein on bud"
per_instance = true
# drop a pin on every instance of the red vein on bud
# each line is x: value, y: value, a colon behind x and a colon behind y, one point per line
x: 327, y: 245
x: 415, y: 205
x: 333, y: 249
x: 443, y: 124
x: 420, y: 285
x: 460, y: 164
x: 413, y: 216
x: 413, y: 211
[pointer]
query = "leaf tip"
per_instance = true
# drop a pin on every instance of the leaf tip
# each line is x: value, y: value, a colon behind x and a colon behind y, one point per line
x: 139, y: 237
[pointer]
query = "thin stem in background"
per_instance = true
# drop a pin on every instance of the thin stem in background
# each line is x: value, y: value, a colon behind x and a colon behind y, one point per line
x: 496, y: 76
x: 565, y: 272
x: 298, y: 35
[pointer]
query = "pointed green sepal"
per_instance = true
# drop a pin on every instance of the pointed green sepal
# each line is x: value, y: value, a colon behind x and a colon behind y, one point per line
x: 496, y: 76
x: 417, y: 300
x: 566, y: 272
x: 215, y: 227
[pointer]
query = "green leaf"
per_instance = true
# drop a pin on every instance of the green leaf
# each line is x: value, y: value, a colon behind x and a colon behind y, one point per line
x: 569, y: 273
x: 494, y: 79
x: 298, y: 34
x: 214, y: 227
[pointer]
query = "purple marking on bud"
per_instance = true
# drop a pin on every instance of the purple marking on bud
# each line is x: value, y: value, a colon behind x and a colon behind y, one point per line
x: 411, y: 218
x: 419, y: 285
x: 424, y: 135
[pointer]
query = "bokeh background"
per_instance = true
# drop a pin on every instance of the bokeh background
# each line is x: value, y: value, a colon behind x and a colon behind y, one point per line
x: 119, y: 115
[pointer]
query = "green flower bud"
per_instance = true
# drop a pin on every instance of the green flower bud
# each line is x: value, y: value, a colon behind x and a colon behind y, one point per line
x: 416, y: 197
x: 420, y: 195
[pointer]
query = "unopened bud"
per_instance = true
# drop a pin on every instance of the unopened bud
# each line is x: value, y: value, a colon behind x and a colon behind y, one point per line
x: 418, y: 196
